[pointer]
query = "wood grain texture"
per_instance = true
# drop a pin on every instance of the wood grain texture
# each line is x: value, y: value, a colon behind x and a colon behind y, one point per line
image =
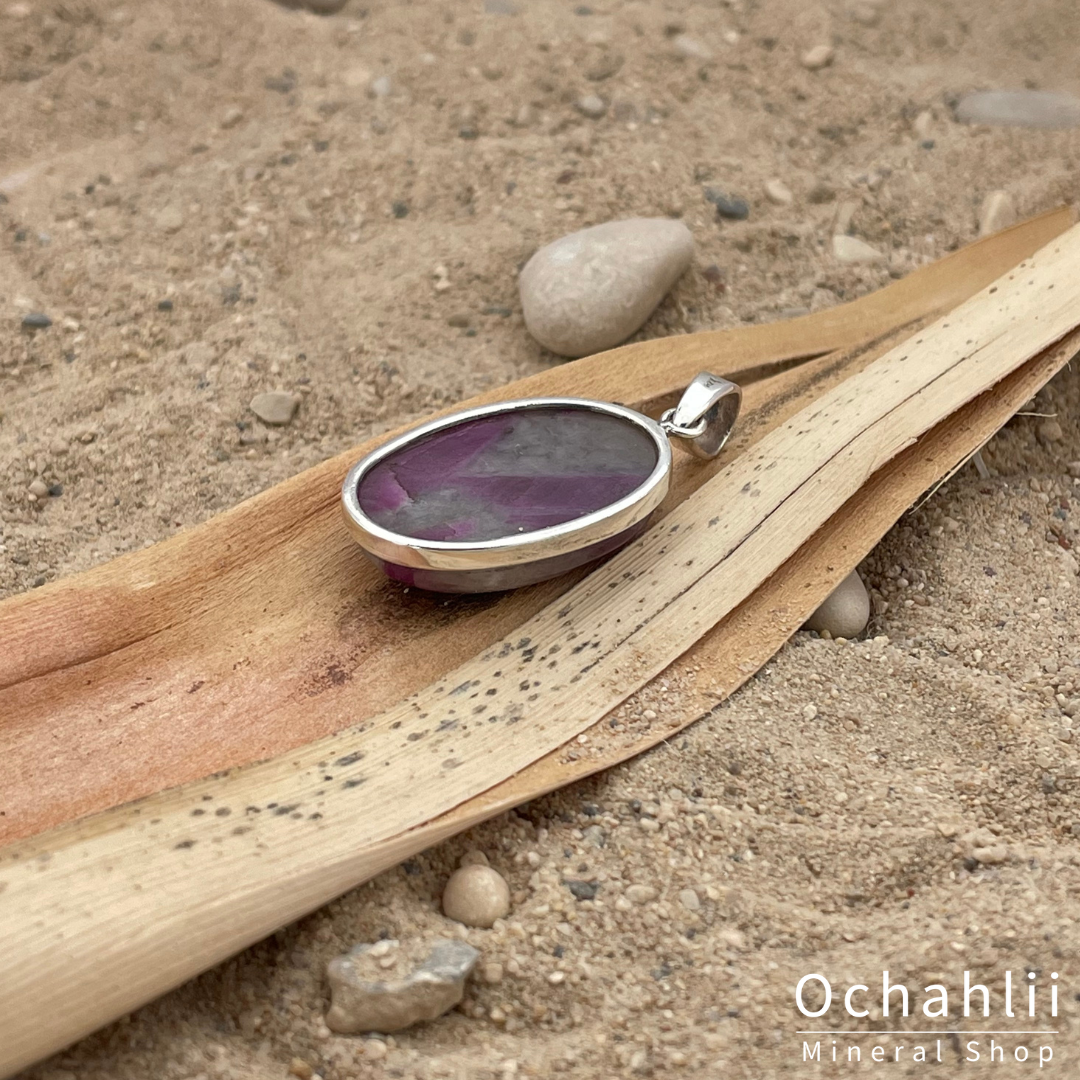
x: 221, y: 862
x: 265, y: 628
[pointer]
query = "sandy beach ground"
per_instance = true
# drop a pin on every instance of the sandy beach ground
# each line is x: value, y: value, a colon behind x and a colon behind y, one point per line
x: 212, y: 199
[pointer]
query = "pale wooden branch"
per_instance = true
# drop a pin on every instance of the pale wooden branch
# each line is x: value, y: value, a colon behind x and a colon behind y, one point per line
x: 220, y: 862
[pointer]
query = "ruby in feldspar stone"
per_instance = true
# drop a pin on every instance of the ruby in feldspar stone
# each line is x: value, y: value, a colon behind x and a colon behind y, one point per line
x: 507, y: 474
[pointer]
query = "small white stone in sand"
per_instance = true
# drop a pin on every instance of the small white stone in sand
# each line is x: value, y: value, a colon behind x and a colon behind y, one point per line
x: 592, y: 106
x: 232, y: 116
x: 997, y: 212
x: 850, y: 249
x: 476, y: 896
x: 691, y: 48
x: 818, y: 57
x: 845, y: 612
x: 380, y: 87
x: 592, y: 289
x: 275, y: 406
x: 776, y: 191
x: 39, y: 489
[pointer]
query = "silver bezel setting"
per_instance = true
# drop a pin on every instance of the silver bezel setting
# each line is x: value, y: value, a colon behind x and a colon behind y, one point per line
x: 507, y: 550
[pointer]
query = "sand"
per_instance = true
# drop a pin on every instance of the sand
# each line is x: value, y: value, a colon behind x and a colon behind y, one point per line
x: 244, y: 164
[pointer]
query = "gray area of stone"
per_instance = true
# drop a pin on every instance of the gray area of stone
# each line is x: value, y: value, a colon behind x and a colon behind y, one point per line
x: 1020, y: 108
x: 431, y: 988
x: 591, y: 290
x: 846, y: 610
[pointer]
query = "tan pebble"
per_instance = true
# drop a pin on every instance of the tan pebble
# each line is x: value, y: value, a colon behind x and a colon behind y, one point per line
x: 39, y: 489
x: 641, y: 894
x: 299, y: 1067
x: 374, y: 1049
x: 493, y: 973
x: 846, y: 611
x: 476, y: 896
x: 232, y: 116
x: 274, y: 406
x: 689, y: 899
x: 818, y: 57
x: 473, y: 857
x: 1049, y: 431
x: 991, y: 856
x: 776, y: 191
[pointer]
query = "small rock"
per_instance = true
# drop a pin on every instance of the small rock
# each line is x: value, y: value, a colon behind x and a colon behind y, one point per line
x: 1020, y: 108
x: 1074, y: 469
x: 691, y: 48
x: 997, y: 212
x: 275, y: 406
x: 820, y: 193
x: 380, y: 87
x: 39, y: 489
x: 169, y: 220
x: 994, y: 855
x: 689, y: 899
x: 476, y: 896
x: 232, y: 116
x: 608, y: 64
x: 362, y: 1001
x: 460, y: 320
x: 1049, y: 431
x: 728, y: 206
x: 923, y: 124
x: 845, y: 612
x: 36, y: 320
x: 640, y: 894
x: 850, y: 249
x: 592, y: 289
x: 592, y: 106
x: 866, y: 14
x: 473, y: 857
x: 299, y: 1067
x: 818, y: 57
x: 583, y: 890
x: 776, y: 191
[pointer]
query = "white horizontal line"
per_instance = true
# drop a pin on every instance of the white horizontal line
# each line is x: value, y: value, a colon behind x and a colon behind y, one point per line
x: 925, y: 1032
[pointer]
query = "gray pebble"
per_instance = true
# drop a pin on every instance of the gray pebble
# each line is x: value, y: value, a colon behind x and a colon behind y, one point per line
x: 36, y: 320
x: 728, y: 206
x: 592, y: 289
x: 430, y: 989
x: 275, y: 406
x: 583, y: 890
x: 1020, y: 108
x: 846, y: 610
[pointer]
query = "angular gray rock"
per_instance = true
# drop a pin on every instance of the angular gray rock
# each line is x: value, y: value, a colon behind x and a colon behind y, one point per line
x: 435, y: 985
x: 1020, y: 108
x: 592, y: 289
x: 846, y: 610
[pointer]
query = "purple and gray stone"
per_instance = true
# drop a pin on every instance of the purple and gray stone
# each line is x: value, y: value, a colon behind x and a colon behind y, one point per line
x: 508, y: 474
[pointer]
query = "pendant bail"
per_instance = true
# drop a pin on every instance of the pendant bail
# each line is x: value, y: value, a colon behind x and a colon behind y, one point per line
x: 705, y: 415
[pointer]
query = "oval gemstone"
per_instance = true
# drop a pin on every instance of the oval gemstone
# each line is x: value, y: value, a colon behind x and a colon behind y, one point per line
x: 506, y: 474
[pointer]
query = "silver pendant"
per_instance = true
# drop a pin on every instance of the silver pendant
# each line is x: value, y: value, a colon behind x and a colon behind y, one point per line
x: 510, y: 494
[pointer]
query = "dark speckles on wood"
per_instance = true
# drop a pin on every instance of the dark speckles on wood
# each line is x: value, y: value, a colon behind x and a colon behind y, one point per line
x: 349, y: 759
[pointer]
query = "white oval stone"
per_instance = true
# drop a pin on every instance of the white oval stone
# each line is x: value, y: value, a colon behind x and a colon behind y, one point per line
x: 476, y: 895
x: 591, y: 290
x: 846, y: 610
x: 1020, y: 108
x: 818, y: 57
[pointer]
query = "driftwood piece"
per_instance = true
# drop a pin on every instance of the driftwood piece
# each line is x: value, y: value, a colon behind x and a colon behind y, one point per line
x: 174, y: 871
